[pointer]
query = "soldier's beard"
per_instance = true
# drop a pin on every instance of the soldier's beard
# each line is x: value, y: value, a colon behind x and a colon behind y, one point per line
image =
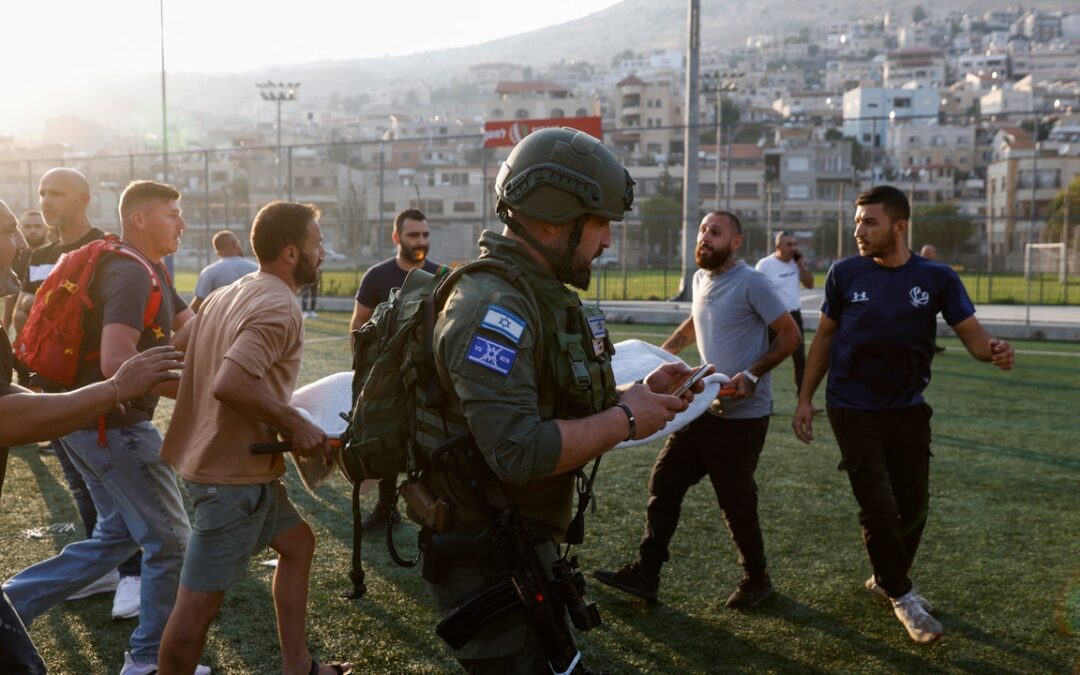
x: 9, y: 283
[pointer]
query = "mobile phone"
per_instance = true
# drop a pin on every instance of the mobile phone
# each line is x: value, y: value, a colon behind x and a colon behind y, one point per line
x: 691, y: 380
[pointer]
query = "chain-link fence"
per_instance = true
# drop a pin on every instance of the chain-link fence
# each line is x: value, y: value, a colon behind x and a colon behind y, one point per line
x: 360, y: 186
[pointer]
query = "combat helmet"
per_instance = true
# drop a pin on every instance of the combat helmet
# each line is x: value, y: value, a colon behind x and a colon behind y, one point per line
x: 562, y: 176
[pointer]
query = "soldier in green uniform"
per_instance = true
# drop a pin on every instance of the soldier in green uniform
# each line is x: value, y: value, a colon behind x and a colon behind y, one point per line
x: 530, y: 378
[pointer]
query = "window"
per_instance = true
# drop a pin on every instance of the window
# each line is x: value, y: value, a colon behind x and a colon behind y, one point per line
x: 798, y: 191
x: 464, y: 207
x: 388, y: 207
x: 557, y: 113
x: 581, y: 112
x: 521, y: 113
x: 902, y: 103
x: 798, y: 164
x: 746, y: 189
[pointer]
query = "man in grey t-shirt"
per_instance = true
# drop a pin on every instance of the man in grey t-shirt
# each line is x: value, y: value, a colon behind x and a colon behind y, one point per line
x: 231, y: 267
x: 734, y: 307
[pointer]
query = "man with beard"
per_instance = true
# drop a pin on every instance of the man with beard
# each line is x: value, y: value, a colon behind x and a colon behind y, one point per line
x: 412, y: 237
x: 526, y: 373
x: 244, y: 351
x: 137, y: 499
x: 734, y: 308
x: 875, y: 338
x: 36, y: 233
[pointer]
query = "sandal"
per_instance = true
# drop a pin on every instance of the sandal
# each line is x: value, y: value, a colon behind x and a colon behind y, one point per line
x: 340, y: 669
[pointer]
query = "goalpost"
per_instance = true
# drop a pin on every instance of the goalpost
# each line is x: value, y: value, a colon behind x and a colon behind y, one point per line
x: 1044, y: 259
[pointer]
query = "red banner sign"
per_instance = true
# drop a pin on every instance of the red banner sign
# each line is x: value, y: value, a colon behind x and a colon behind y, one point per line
x: 499, y: 133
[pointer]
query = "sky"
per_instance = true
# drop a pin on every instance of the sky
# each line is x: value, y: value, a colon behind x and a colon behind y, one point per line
x: 76, y: 38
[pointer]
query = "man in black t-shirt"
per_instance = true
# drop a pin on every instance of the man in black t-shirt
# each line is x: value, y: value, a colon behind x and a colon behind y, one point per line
x: 412, y: 236
x: 36, y: 233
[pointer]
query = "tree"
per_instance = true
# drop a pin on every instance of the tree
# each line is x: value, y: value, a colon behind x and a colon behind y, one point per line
x: 919, y: 14
x: 1056, y: 215
x: 662, y: 213
x: 943, y: 226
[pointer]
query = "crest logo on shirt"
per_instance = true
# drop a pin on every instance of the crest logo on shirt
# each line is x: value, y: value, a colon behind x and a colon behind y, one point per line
x: 860, y: 296
x: 919, y: 297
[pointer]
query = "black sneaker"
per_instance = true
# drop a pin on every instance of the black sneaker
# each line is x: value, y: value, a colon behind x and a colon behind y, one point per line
x: 750, y: 593
x: 378, y: 517
x: 630, y: 578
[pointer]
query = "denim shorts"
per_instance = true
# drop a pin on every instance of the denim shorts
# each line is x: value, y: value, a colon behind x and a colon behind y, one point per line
x: 231, y: 523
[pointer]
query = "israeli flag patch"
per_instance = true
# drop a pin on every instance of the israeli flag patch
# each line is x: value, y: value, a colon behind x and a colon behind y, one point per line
x: 504, y: 322
x: 491, y: 355
x: 598, y: 327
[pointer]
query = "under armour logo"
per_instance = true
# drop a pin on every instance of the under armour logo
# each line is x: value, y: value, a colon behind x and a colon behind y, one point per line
x: 860, y: 296
x: 919, y: 297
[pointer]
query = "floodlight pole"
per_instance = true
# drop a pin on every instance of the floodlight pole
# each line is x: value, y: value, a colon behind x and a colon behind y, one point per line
x: 279, y: 92
x: 164, y: 107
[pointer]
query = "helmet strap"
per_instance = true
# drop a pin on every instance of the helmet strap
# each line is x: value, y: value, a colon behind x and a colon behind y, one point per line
x: 564, y: 267
x: 519, y: 229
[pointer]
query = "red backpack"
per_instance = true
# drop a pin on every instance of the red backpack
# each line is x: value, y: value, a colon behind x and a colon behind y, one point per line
x: 50, y: 342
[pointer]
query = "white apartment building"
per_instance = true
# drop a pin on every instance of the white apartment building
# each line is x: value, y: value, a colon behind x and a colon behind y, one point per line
x: 869, y: 110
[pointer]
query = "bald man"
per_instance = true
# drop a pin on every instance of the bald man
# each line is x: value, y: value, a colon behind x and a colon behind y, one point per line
x: 231, y: 266
x: 64, y: 196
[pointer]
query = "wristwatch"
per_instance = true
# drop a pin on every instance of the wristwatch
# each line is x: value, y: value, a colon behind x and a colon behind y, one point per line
x: 750, y: 376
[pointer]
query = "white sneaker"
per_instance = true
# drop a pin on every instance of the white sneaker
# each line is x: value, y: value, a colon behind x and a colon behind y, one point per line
x: 872, y: 586
x: 313, y: 314
x: 105, y: 584
x: 922, y: 627
x: 125, y: 604
x: 132, y: 668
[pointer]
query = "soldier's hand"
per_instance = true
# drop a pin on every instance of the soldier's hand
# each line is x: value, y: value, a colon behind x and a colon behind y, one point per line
x: 652, y: 411
x: 144, y: 371
x: 803, y: 423
x: 668, y: 377
x: 1001, y: 354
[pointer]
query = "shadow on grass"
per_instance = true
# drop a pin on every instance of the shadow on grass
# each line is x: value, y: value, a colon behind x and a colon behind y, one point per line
x: 661, y: 638
x: 960, y: 627
x: 52, y: 491
x: 807, y: 618
x: 967, y: 443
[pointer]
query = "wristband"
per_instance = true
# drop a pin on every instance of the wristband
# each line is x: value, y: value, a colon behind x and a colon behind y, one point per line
x: 631, y: 419
x: 750, y: 376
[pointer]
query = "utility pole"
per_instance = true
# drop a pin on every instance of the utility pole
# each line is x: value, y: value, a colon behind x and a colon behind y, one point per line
x: 278, y: 92
x: 164, y: 107
x: 691, y: 188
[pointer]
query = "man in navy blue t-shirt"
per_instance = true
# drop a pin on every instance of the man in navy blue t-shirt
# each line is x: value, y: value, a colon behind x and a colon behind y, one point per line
x: 875, y: 338
x: 412, y: 237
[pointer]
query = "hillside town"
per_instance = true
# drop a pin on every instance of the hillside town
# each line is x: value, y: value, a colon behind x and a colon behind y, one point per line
x: 976, y: 117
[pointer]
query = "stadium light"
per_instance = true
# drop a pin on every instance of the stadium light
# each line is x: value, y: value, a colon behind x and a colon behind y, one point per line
x: 278, y: 92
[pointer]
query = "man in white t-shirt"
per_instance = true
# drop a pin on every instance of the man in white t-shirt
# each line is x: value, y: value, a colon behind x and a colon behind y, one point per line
x: 785, y: 269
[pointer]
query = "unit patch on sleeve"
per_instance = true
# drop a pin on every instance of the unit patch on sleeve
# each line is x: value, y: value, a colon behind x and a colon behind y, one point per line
x: 504, y: 322
x: 491, y: 355
x: 599, y: 331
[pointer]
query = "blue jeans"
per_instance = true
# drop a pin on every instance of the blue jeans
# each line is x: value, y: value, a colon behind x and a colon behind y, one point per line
x: 85, y: 504
x: 139, y: 506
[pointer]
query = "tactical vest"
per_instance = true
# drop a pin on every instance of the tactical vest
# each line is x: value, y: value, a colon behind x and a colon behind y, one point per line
x: 575, y: 378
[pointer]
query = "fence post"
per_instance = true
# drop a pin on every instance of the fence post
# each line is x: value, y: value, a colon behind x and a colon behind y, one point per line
x: 290, y: 173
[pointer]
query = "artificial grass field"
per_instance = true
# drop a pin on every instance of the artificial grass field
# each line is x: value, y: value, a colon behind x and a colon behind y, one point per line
x: 1000, y: 558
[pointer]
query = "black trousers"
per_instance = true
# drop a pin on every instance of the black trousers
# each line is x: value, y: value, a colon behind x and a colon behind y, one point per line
x: 727, y: 450
x: 17, y: 653
x: 798, y: 357
x: 886, y: 454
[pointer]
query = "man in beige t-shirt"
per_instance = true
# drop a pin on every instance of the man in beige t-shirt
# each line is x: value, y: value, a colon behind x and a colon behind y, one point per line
x: 244, y: 351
